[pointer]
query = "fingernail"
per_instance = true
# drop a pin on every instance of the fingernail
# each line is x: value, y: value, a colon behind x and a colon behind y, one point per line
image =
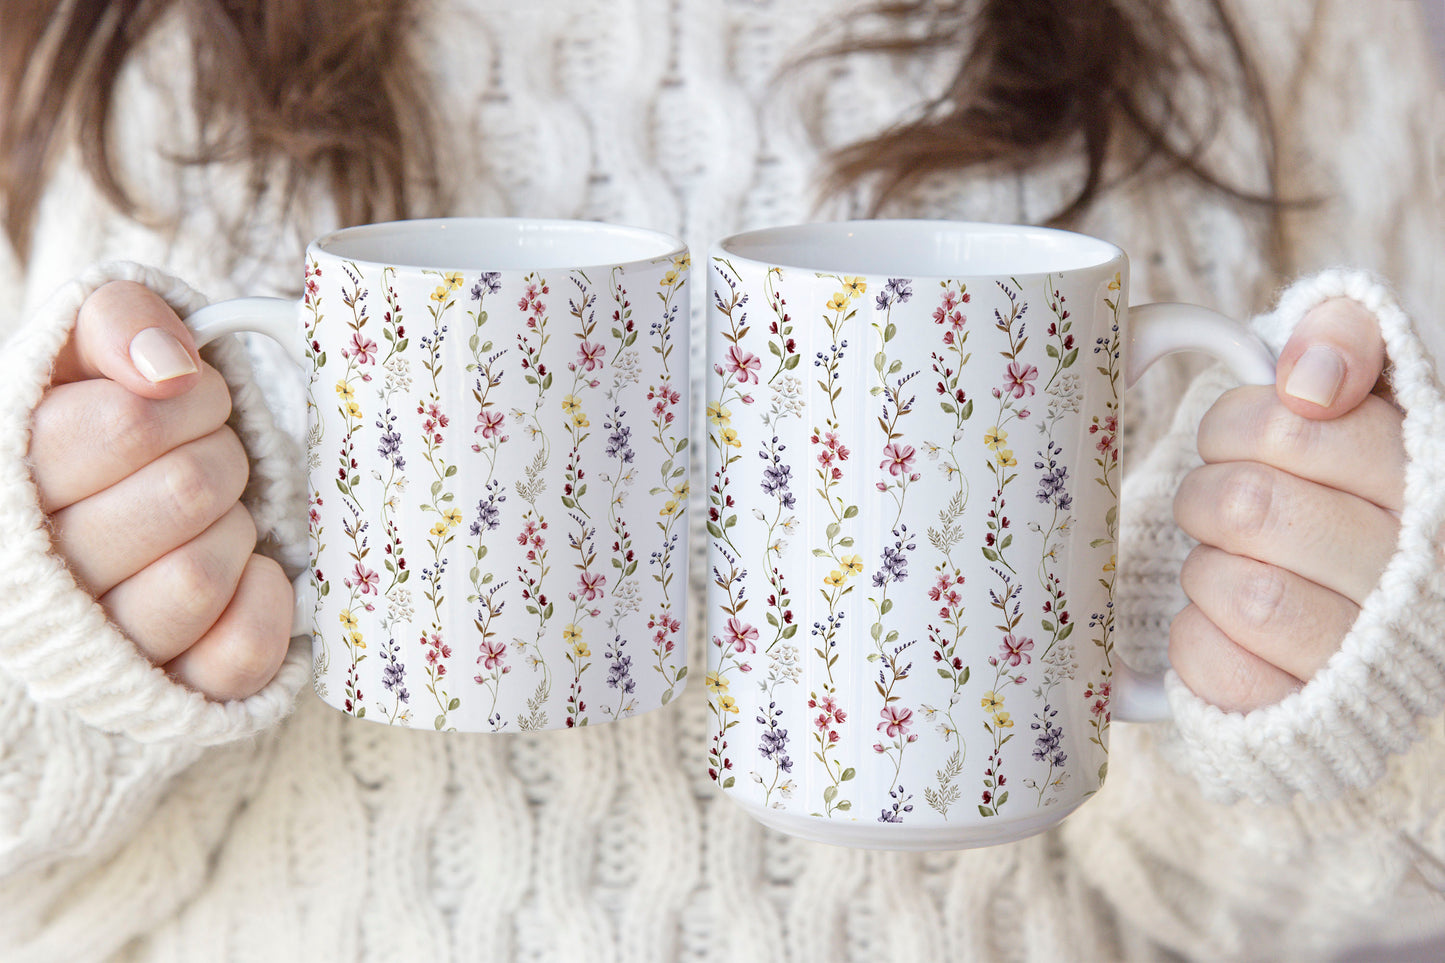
x: 159, y: 356
x: 1317, y: 376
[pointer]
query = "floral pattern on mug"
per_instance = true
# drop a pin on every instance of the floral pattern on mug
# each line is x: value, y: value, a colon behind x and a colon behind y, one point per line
x: 511, y: 486
x: 931, y: 506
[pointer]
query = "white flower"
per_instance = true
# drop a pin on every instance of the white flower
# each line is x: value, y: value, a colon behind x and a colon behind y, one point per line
x: 787, y: 397
x: 625, y: 369
x: 398, y: 374
x: 398, y: 604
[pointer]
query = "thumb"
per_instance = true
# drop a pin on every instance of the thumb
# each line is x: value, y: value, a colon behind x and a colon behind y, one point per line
x: 1332, y: 361
x: 127, y: 333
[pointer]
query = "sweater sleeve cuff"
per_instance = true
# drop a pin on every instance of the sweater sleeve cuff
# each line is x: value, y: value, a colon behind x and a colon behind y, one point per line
x: 1338, y: 732
x: 55, y: 639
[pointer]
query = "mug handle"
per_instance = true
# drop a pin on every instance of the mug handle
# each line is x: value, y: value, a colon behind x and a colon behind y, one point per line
x: 1156, y: 330
x: 276, y: 319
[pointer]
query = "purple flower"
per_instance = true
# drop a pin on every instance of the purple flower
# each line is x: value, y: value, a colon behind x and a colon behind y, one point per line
x: 490, y: 283
x: 619, y: 668
x: 897, y: 290
x: 1048, y: 744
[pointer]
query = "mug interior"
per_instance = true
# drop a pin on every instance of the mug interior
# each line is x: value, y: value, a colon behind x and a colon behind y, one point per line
x: 913, y: 248
x: 497, y: 244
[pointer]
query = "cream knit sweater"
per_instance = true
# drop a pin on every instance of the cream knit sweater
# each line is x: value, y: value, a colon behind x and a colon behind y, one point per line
x: 140, y: 821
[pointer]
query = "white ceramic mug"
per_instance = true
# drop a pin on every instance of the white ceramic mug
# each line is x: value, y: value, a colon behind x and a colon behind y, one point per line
x: 913, y: 495
x: 498, y: 418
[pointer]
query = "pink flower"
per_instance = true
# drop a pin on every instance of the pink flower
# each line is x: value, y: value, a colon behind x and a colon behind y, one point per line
x: 897, y: 458
x: 741, y: 636
x: 362, y: 349
x: 744, y: 364
x: 363, y: 578
x: 590, y: 585
x: 492, y: 653
x: 1014, y: 650
x: 896, y: 720
x: 490, y: 424
x: 1020, y: 377
x: 589, y: 355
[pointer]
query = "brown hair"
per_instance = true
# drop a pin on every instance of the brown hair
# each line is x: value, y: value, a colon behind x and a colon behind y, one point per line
x: 1104, y: 79
x: 326, y: 87
x: 323, y: 85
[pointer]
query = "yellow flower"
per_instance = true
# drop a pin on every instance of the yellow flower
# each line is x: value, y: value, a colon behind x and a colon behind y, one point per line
x: 994, y: 437
x: 681, y: 491
x: 1112, y: 563
x: 730, y: 438
x: 728, y: 704
x: 571, y: 404
x: 1002, y: 720
x: 682, y: 262
x: 348, y: 620
x: 439, y: 529
x: 1006, y: 458
x: 838, y: 302
x: 1117, y: 282
x: 854, y: 564
x: 670, y: 508
x: 357, y: 641
x: 450, y: 282
x: 580, y: 420
x: 668, y: 279
x: 573, y: 635
x: 854, y: 286
x: 991, y: 701
x: 353, y: 410
x: 715, y: 683
x: 345, y: 391
x: 834, y: 578
x: 718, y: 414
x: 453, y: 517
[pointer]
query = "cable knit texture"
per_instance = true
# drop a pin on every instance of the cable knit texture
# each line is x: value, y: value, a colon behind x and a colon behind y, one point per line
x: 140, y: 822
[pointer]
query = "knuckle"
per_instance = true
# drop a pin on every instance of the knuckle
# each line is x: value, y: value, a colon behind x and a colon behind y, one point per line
x: 195, y: 579
x: 1246, y: 500
x: 1260, y: 597
x: 1285, y: 437
x: 255, y: 651
x: 190, y: 489
x: 129, y: 429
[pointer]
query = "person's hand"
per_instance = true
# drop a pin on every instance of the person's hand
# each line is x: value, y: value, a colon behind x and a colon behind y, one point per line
x: 1296, y: 511
x: 140, y: 478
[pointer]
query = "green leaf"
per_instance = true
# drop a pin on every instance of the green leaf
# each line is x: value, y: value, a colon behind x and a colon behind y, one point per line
x: 990, y: 554
x: 944, y: 673
x: 451, y: 706
x: 728, y: 782
x: 451, y: 470
x: 1071, y: 357
x: 440, y: 721
x: 844, y: 806
x: 830, y: 793
x: 1052, y: 351
x: 851, y: 511
x: 984, y: 812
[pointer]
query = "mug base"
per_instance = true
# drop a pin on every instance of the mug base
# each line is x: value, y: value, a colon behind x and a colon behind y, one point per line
x: 891, y: 836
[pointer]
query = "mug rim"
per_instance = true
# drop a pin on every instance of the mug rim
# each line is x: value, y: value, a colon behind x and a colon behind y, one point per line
x: 662, y: 245
x: 795, y: 242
